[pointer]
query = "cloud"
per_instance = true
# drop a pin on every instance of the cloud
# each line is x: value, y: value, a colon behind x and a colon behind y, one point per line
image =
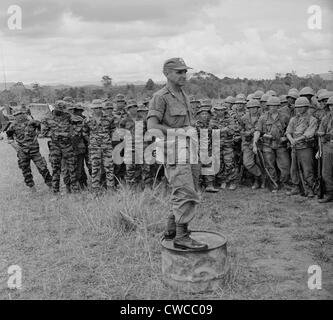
x: 129, y: 40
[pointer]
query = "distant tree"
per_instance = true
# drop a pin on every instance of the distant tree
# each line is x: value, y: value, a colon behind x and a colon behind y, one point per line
x: 150, y: 85
x: 107, y: 84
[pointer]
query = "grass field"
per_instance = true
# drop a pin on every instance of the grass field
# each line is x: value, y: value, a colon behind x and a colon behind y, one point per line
x: 81, y: 248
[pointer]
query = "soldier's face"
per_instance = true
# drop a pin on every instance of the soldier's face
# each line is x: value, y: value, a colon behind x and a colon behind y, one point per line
x: 133, y: 112
x: 331, y: 107
x: 273, y: 109
x: 253, y: 111
x: 291, y: 101
x: 300, y: 110
x: 177, y: 77
x: 323, y: 103
x: 98, y: 112
x: 311, y: 111
x: 204, y: 116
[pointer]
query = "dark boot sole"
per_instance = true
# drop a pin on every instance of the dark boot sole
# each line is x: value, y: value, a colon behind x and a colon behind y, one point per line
x: 179, y: 246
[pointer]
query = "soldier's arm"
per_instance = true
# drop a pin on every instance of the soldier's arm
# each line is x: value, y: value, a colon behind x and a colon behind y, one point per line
x: 86, y: 130
x: 155, y: 115
x: 10, y: 132
x: 322, y: 127
x: 45, y: 129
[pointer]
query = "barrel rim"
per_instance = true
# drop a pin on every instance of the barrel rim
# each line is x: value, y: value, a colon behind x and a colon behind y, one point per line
x: 173, y: 249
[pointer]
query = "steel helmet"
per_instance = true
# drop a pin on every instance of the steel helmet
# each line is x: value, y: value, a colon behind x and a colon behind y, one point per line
x: 258, y: 94
x: 302, y: 102
x: 273, y: 101
x: 230, y: 99
x: 271, y: 93
x: 254, y: 103
x: 264, y: 98
x: 306, y: 91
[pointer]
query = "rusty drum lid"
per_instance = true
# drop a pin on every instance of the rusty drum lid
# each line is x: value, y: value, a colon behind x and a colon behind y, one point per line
x: 214, y: 240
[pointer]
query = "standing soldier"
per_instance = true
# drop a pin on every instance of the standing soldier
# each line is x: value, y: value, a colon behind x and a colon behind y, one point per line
x: 25, y: 133
x: 325, y: 132
x: 229, y: 102
x: 229, y: 128
x: 271, y: 126
x: 60, y: 128
x: 80, y: 148
x: 289, y: 109
x: 119, y: 113
x: 248, y: 125
x: 133, y: 170
x: 97, y: 131
x: 203, y: 122
x: 263, y: 104
x: 170, y: 108
x: 300, y: 133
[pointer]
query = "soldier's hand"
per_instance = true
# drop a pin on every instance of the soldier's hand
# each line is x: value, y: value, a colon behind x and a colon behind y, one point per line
x: 318, y: 155
x: 292, y: 141
x: 266, y: 135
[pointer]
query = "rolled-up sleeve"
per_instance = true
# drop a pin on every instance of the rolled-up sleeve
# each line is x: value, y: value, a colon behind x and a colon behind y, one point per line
x: 260, y: 124
x: 323, y: 126
x: 156, y: 107
x: 291, y: 127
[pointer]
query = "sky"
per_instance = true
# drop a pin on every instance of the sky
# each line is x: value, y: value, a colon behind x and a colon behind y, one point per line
x: 67, y: 41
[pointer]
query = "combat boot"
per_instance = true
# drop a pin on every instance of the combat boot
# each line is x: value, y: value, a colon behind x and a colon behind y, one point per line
x: 210, y: 188
x: 256, y: 184
x: 232, y: 186
x: 329, y: 198
x: 310, y: 194
x: 170, y: 232
x: 184, y: 241
x: 295, y: 191
x: 223, y: 185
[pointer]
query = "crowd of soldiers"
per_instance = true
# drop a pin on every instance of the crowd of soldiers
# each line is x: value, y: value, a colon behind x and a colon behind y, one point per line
x: 283, y: 142
x: 279, y: 142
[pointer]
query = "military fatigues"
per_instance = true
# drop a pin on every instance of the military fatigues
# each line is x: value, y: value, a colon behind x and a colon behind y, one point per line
x: 250, y: 160
x: 98, y: 133
x: 275, y: 149
x: 326, y: 131
x: 228, y: 172
x: 119, y: 169
x: 176, y: 112
x: 25, y: 133
x: 81, y: 153
x: 303, y: 125
x: 135, y: 172
x: 61, y: 130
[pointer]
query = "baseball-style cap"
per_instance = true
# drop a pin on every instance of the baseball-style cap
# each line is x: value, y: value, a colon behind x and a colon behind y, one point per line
x: 176, y: 64
x: 131, y: 103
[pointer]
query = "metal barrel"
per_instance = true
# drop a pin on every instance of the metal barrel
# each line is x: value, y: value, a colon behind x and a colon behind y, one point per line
x: 195, y: 271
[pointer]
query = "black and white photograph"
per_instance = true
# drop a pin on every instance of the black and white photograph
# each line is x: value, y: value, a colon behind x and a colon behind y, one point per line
x: 171, y: 151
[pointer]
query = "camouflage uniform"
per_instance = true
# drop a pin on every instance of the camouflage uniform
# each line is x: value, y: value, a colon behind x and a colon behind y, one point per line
x: 119, y: 114
x: 81, y: 152
x: 61, y: 130
x: 133, y: 173
x: 229, y: 129
x: 25, y: 132
x: 205, y: 180
x: 99, y: 136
